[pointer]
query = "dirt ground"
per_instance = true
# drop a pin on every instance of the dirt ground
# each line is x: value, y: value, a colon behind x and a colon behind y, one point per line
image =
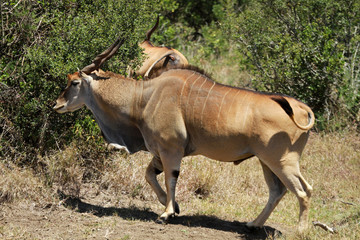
x: 97, y: 216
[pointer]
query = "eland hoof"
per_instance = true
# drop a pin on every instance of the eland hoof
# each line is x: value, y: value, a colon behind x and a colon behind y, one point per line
x: 164, y: 218
x: 160, y: 220
x: 250, y: 228
x: 177, y: 208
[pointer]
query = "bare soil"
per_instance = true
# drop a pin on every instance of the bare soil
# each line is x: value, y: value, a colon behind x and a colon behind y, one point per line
x: 97, y: 216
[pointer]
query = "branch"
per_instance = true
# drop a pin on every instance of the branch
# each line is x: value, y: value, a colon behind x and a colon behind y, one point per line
x: 324, y: 226
x: 15, y: 6
x: 348, y: 203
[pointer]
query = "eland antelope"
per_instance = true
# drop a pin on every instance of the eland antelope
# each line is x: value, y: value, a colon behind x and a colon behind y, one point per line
x: 157, y: 57
x: 183, y: 112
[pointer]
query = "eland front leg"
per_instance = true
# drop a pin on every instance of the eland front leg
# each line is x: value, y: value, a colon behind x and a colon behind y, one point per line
x: 155, y: 168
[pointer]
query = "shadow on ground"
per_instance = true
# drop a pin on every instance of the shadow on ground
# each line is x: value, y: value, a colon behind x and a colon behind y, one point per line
x: 203, y: 221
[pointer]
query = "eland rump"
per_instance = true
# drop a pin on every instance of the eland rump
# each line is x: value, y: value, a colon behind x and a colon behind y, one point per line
x: 183, y: 112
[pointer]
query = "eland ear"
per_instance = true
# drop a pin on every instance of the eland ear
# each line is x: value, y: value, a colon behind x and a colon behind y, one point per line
x: 73, y: 76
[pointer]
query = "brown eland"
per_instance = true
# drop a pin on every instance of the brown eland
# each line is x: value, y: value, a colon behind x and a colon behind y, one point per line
x: 182, y: 112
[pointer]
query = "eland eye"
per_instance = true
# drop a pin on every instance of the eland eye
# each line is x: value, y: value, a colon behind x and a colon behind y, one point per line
x: 74, y: 83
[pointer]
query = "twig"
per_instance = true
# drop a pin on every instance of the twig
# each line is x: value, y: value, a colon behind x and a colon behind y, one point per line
x: 324, y: 226
x: 42, y: 132
x: 348, y: 203
x: 6, y: 86
x: 15, y: 6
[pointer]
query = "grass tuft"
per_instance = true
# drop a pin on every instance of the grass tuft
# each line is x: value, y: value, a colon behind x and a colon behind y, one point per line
x: 17, y: 184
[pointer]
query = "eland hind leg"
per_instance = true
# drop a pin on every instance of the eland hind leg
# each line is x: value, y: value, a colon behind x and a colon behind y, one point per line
x: 288, y: 171
x: 276, y: 191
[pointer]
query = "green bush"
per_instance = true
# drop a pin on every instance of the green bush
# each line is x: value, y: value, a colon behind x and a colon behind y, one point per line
x: 42, y: 42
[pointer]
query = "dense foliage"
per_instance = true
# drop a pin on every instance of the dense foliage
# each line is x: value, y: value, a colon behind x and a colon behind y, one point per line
x: 303, y: 48
x: 43, y: 41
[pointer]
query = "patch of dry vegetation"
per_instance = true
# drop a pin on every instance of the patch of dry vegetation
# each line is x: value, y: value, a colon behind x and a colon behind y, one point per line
x: 17, y: 184
x: 330, y: 163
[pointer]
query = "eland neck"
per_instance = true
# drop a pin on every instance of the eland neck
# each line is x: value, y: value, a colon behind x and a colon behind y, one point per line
x: 113, y: 99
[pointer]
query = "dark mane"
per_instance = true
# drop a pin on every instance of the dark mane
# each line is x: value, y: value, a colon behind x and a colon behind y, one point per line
x: 196, y: 69
x: 101, y: 75
x: 187, y: 67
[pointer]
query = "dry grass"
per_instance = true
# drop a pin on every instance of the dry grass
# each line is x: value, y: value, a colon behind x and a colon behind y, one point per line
x: 330, y: 163
x: 17, y: 184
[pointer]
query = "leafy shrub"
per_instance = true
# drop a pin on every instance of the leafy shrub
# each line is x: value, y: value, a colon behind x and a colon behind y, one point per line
x: 42, y: 42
